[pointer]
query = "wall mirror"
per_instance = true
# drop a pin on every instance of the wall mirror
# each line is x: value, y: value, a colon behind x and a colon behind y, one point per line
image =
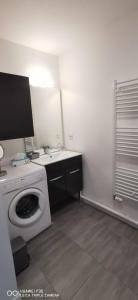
x: 47, y: 116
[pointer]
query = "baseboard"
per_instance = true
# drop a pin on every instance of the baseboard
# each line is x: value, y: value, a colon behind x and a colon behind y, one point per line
x: 110, y: 211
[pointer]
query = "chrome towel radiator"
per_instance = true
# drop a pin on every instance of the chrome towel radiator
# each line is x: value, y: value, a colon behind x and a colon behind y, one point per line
x: 125, y: 169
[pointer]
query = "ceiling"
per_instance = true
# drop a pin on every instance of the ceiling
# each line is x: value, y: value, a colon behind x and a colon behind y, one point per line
x: 54, y: 25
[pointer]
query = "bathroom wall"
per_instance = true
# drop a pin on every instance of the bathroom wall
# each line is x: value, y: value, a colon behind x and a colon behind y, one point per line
x: 7, y: 275
x: 20, y: 60
x: 87, y: 73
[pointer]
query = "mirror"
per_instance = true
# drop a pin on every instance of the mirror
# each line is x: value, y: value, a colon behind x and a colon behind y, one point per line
x: 46, y: 107
x: 1, y: 152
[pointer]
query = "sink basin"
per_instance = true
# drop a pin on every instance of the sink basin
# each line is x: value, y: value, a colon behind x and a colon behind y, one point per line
x: 46, y: 159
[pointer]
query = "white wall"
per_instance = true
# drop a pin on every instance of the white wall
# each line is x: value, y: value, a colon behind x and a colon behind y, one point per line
x: 19, y: 60
x: 87, y: 75
x: 7, y: 274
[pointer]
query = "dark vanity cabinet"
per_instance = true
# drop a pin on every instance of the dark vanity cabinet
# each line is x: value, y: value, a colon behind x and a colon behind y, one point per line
x: 64, y: 179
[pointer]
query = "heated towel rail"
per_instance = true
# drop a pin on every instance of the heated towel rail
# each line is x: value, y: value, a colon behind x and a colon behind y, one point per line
x: 125, y: 171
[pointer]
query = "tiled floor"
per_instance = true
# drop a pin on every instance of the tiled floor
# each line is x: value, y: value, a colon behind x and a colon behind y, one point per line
x: 85, y: 254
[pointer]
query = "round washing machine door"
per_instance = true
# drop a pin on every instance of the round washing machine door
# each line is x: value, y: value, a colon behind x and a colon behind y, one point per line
x: 27, y: 207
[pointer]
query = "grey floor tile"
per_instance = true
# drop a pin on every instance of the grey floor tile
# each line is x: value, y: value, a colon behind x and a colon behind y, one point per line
x: 102, y: 285
x: 123, y: 229
x: 72, y: 218
x: 32, y: 278
x: 70, y: 272
x: 85, y: 254
x: 125, y: 266
x: 41, y: 239
x: 81, y: 227
x: 106, y: 287
x: 134, y: 236
x: 106, y: 246
x: 125, y: 294
x: 51, y: 251
x: 131, y: 279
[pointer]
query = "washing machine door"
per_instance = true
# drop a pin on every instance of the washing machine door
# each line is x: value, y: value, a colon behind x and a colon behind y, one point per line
x: 27, y: 207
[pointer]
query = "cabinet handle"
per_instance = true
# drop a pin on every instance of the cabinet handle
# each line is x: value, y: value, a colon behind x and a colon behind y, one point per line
x: 75, y: 171
x: 56, y: 178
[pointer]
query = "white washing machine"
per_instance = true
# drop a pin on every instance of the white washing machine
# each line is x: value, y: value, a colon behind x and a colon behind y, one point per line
x: 24, y: 196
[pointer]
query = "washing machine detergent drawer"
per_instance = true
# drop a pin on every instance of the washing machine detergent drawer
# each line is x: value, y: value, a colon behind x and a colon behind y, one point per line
x: 21, y: 182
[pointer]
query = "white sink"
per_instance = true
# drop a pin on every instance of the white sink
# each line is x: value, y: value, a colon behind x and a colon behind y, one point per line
x: 47, y: 159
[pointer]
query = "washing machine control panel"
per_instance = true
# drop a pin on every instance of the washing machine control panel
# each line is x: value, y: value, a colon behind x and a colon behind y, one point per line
x: 18, y: 183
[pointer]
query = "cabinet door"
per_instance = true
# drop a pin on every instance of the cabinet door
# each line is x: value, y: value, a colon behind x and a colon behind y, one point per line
x: 57, y: 190
x: 74, y: 175
x: 64, y: 179
x: 56, y: 176
x: 74, y: 181
x: 55, y: 170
